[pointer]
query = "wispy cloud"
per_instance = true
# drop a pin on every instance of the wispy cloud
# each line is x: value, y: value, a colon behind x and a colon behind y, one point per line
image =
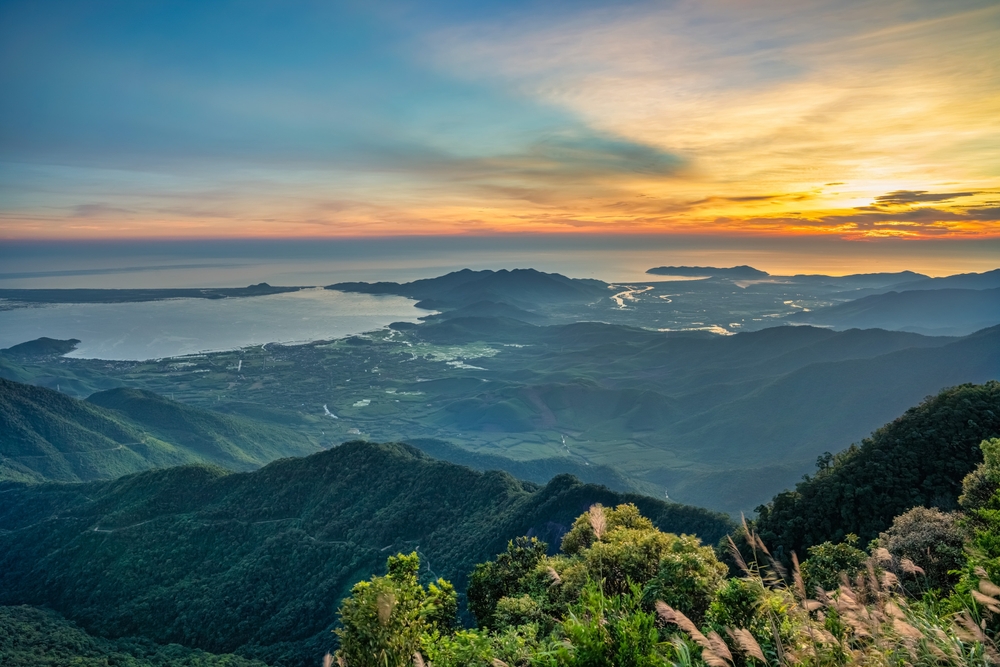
x: 855, y: 119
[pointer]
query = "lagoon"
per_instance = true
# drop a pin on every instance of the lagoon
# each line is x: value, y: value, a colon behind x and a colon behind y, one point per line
x: 176, y: 327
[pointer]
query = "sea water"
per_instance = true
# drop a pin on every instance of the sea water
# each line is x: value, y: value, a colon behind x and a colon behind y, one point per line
x: 612, y: 258
x: 175, y: 327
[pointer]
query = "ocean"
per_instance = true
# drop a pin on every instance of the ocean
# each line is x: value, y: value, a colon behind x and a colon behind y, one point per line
x: 620, y: 259
x: 133, y: 331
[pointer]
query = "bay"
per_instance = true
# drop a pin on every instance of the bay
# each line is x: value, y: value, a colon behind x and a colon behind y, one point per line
x: 176, y: 327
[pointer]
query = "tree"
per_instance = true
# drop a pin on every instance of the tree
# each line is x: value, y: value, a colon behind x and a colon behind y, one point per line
x: 494, y: 580
x: 384, y: 619
x: 616, y: 549
x: 930, y: 539
x: 829, y: 562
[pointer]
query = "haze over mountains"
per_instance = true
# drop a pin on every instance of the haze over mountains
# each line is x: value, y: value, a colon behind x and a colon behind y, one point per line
x: 723, y: 300
x: 934, y: 311
x: 506, y: 375
x: 976, y: 281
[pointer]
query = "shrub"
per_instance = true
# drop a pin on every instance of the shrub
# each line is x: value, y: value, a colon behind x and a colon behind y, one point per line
x: 932, y: 540
x: 828, y: 563
x: 384, y: 619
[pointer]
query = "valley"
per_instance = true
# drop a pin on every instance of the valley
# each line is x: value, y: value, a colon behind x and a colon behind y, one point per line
x: 721, y: 421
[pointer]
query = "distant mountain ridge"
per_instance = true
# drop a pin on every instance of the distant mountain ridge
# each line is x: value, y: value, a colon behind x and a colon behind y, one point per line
x: 970, y: 281
x: 978, y: 281
x: 740, y: 272
x: 938, y: 311
x: 521, y: 288
x: 50, y: 436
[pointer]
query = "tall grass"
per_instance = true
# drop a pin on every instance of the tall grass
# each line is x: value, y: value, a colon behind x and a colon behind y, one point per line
x: 867, y: 621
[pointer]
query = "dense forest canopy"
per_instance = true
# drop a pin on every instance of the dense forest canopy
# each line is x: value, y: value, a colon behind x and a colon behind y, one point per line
x: 919, y: 459
x: 31, y: 637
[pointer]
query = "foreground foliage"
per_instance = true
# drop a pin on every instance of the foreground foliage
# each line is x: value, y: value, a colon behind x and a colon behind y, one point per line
x: 622, y: 593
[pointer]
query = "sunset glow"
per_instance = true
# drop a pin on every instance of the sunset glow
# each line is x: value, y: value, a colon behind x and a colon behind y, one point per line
x: 855, y: 120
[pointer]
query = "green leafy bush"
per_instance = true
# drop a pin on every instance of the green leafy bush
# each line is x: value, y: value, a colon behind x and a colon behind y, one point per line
x: 931, y: 540
x: 383, y: 620
x: 828, y: 563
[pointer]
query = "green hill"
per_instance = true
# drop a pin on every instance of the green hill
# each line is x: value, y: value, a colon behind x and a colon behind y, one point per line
x: 918, y: 459
x: 32, y: 637
x: 256, y: 563
x: 50, y: 436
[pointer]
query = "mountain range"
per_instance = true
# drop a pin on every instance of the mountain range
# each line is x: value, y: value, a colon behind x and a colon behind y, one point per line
x: 934, y: 311
x: 50, y: 436
x: 974, y: 281
x: 256, y: 563
x: 718, y: 421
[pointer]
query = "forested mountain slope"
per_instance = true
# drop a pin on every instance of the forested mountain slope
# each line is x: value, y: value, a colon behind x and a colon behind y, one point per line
x: 47, y: 435
x: 257, y: 562
x: 918, y: 459
x: 31, y: 637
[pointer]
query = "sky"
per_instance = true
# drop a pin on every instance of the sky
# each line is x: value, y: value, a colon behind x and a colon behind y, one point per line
x: 852, y: 120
